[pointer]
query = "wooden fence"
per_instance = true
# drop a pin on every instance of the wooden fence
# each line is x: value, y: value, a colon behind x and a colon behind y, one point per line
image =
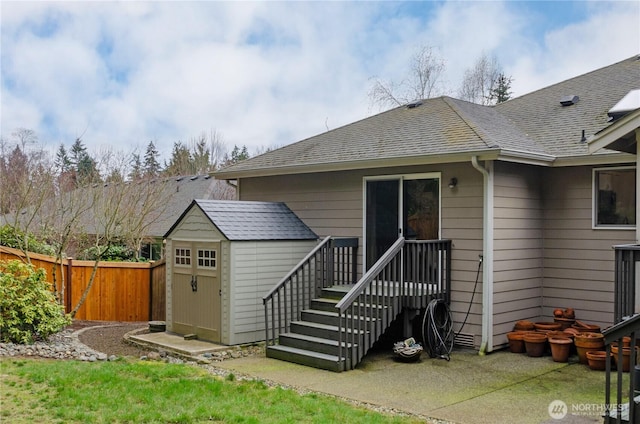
x: 122, y: 291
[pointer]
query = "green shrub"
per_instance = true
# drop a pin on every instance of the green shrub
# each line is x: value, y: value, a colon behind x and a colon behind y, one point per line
x: 28, y: 308
x: 14, y: 237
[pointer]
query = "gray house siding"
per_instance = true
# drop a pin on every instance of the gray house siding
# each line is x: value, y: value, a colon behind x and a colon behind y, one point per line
x: 578, y: 260
x: 332, y: 204
x: 518, y: 254
x: 546, y: 254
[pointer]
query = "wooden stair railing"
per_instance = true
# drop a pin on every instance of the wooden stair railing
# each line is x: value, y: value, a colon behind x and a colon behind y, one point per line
x: 332, y: 262
x: 360, y: 325
x: 622, y: 413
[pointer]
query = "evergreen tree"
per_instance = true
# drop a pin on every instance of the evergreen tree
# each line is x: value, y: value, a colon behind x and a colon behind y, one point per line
x: 87, y: 171
x: 502, y: 90
x: 62, y: 161
x: 151, y: 164
x: 181, y: 162
x: 78, y: 151
x: 238, y: 154
x: 83, y: 165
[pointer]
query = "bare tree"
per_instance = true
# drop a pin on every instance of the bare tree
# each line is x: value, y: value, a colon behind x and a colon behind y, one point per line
x: 121, y: 214
x: 423, y: 82
x: 480, y: 81
x: 217, y: 149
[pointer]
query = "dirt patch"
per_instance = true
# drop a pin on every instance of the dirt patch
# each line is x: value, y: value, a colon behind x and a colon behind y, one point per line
x: 108, y: 336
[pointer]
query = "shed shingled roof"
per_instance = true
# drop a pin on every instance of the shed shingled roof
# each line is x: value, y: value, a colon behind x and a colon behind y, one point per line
x: 534, y: 124
x: 251, y: 221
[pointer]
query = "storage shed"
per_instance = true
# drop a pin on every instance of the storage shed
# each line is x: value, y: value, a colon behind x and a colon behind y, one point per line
x: 222, y: 257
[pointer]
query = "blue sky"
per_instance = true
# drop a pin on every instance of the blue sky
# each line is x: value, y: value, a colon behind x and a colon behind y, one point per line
x: 265, y: 74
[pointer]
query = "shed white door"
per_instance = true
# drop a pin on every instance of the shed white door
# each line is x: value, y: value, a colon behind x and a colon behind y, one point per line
x: 196, y: 289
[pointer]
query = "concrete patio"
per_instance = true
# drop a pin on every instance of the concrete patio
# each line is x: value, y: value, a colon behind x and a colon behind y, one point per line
x: 469, y: 389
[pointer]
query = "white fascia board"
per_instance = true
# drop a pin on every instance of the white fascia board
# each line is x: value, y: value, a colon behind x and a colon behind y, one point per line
x: 615, y: 131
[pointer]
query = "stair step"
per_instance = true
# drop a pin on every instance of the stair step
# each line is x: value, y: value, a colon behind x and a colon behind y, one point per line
x: 329, y: 305
x: 306, y: 357
x: 335, y: 292
x: 316, y: 344
x: 324, y: 304
x: 313, y: 329
x: 326, y: 317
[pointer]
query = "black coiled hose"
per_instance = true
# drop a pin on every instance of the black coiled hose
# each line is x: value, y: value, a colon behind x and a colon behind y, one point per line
x: 437, y: 330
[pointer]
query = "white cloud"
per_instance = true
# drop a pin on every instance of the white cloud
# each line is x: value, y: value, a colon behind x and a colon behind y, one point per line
x: 262, y: 73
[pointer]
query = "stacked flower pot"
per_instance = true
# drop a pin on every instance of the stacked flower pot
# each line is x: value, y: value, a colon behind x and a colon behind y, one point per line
x: 563, y: 337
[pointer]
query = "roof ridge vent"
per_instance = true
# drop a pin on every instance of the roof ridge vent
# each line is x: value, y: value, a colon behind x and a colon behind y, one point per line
x: 569, y: 100
x: 413, y: 105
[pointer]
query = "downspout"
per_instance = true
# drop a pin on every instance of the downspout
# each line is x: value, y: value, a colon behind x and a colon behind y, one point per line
x: 487, y: 252
x: 637, y: 186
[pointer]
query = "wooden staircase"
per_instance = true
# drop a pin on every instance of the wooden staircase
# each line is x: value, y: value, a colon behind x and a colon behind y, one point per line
x: 313, y: 340
x: 322, y: 315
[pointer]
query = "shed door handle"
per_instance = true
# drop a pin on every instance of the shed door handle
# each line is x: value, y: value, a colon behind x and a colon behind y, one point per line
x: 194, y: 283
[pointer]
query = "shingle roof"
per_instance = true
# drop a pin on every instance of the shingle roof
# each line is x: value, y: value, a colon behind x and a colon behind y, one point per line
x: 559, y: 129
x: 239, y: 220
x: 535, y: 123
x: 181, y: 191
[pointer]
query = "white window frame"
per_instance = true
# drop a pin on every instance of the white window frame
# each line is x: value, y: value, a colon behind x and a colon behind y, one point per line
x: 213, y: 258
x: 176, y: 256
x: 594, y: 200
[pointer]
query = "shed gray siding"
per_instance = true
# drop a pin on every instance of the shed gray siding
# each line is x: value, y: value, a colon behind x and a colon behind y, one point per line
x: 332, y: 204
x: 578, y: 260
x: 257, y: 266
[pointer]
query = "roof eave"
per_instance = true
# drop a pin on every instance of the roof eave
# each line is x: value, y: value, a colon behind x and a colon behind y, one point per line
x: 490, y: 154
x: 602, y: 158
x: 531, y: 158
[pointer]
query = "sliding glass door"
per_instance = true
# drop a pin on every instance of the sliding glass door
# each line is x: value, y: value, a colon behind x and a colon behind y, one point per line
x: 397, y: 206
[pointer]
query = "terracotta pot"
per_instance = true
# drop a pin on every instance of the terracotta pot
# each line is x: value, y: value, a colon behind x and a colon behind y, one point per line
x: 516, y: 341
x: 588, y: 342
x: 571, y: 331
x: 564, y: 322
x: 626, y: 357
x: 547, y: 326
x: 584, y: 327
x: 535, y: 343
x: 524, y: 326
x: 597, y: 360
x: 560, y: 348
x: 569, y: 313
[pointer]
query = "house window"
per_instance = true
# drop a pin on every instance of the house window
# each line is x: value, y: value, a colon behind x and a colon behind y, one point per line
x: 207, y: 258
x: 615, y: 197
x: 183, y: 257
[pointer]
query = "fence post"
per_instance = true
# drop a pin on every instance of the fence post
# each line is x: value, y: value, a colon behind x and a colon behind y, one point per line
x: 151, y: 269
x: 68, y: 282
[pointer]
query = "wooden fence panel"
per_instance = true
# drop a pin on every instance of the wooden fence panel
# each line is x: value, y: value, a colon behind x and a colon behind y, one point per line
x: 122, y: 291
x: 158, y: 290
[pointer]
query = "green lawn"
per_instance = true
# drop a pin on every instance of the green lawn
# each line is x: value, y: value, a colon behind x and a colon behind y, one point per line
x: 49, y: 391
